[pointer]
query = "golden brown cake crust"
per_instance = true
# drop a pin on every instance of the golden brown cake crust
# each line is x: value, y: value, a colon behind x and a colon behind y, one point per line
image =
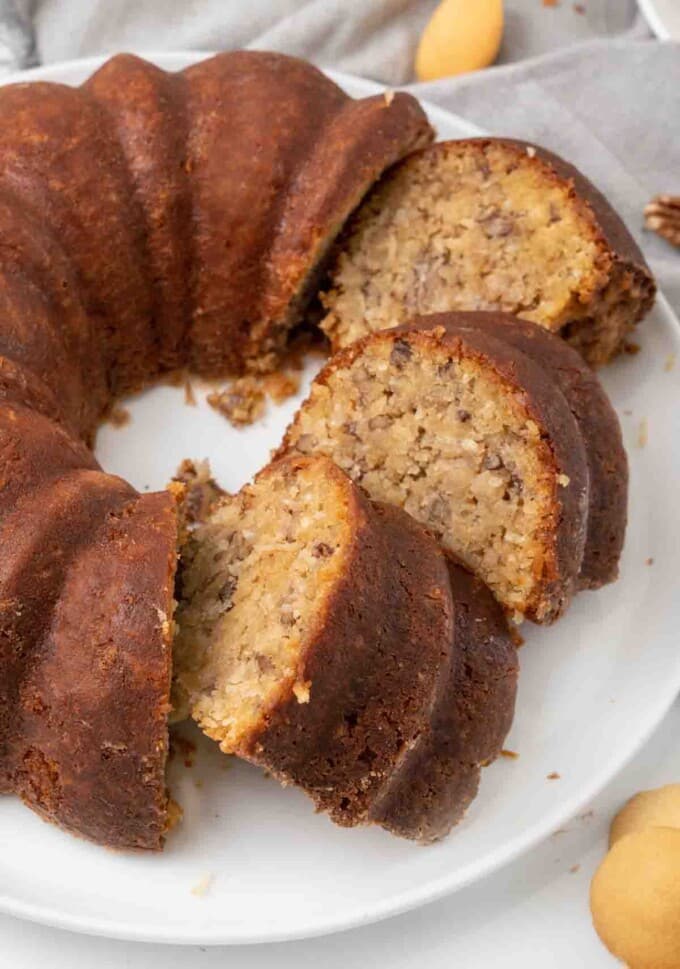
x: 374, y: 668
x: 64, y: 164
x: 599, y: 425
x: 45, y: 324
x: 18, y: 385
x: 83, y: 734
x: 87, y: 741
x: 148, y: 112
x: 439, y: 775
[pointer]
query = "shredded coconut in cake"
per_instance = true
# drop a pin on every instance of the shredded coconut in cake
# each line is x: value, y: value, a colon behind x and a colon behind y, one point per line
x: 253, y: 580
x: 442, y: 438
x: 476, y: 225
x: 242, y: 403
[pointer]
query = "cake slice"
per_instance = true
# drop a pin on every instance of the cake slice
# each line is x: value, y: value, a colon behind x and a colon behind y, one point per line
x: 597, y: 421
x: 316, y: 638
x: 489, y: 224
x: 474, y: 439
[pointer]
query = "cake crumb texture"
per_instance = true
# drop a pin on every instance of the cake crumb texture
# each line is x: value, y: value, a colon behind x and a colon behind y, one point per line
x: 328, y: 640
x: 470, y: 438
x: 483, y: 224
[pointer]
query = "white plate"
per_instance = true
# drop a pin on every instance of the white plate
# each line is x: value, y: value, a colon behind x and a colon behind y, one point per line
x: 663, y: 16
x: 591, y: 691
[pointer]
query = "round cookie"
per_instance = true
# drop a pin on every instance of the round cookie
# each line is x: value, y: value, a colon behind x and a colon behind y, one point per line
x: 647, y: 809
x: 635, y: 899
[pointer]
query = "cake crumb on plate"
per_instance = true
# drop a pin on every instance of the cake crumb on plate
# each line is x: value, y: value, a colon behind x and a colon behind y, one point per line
x: 242, y: 403
x: 280, y: 386
x: 119, y: 416
x: 189, y: 395
x: 203, y: 885
x: 643, y: 433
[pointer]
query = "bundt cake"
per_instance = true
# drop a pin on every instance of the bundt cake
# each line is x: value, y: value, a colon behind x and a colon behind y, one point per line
x: 318, y: 637
x: 475, y: 439
x: 489, y: 224
x: 147, y: 221
x: 152, y: 221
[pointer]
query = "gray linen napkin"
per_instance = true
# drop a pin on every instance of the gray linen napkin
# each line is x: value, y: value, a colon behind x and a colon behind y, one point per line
x: 581, y: 78
x: 372, y: 38
x: 612, y: 107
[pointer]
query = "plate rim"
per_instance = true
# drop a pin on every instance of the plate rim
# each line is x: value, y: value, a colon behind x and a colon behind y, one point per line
x: 655, y: 20
x: 437, y: 887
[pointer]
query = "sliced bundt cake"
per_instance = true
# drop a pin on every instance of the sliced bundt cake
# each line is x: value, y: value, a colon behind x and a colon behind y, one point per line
x: 474, y: 439
x: 148, y: 221
x: 316, y: 638
x: 313, y: 632
x: 489, y: 224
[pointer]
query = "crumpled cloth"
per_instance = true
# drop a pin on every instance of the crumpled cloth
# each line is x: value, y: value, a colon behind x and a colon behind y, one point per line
x: 584, y: 79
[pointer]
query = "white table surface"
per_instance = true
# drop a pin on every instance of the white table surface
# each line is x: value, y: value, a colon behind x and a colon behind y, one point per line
x: 534, y: 913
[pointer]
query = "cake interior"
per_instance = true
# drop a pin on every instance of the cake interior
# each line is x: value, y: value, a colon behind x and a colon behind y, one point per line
x: 255, y: 580
x: 467, y: 227
x: 438, y: 434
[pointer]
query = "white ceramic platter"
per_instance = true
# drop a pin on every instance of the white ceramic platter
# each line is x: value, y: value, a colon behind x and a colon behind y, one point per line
x: 591, y: 691
x: 663, y: 16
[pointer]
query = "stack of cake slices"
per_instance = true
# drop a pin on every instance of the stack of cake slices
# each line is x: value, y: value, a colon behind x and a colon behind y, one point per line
x: 346, y: 621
